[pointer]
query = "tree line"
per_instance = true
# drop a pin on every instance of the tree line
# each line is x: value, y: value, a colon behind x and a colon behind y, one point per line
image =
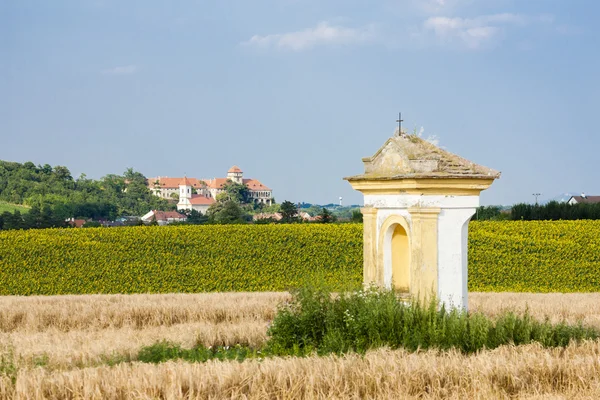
x: 55, y: 192
x: 552, y: 211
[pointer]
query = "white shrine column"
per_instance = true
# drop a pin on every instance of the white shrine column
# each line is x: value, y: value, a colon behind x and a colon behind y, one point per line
x: 453, y: 238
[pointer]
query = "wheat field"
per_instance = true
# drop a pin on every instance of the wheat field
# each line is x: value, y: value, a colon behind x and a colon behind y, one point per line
x: 65, y: 347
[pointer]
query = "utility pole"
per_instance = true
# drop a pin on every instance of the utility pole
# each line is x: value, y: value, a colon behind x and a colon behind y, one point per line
x: 536, y: 197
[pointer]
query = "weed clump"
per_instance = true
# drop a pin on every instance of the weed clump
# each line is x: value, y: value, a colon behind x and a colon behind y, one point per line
x: 315, y: 320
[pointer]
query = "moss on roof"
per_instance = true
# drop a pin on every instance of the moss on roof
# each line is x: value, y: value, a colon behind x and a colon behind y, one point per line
x: 410, y: 157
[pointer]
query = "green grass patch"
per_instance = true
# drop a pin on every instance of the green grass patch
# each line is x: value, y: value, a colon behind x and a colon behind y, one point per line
x: 314, y: 321
x: 165, y: 350
x: 7, y: 365
x: 12, y: 208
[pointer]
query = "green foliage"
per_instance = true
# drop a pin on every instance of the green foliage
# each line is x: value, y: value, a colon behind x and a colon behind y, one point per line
x: 165, y: 351
x: 226, y: 211
x: 273, y: 208
x: 357, y: 216
x: 7, y: 365
x: 317, y: 321
x: 487, y: 213
x: 534, y: 256
x: 555, y: 211
x: 54, y: 187
x: 339, y: 213
x: 237, y: 192
x: 11, y: 220
x: 194, y: 217
x: 265, y: 221
x: 289, y: 212
x: 12, y: 208
x: 188, y: 259
x: 36, y: 218
x: 325, y: 216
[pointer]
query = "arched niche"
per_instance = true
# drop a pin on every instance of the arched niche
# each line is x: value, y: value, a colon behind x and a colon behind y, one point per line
x: 395, y: 267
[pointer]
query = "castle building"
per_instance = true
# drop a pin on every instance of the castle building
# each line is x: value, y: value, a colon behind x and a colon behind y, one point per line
x: 170, y: 188
x: 259, y: 193
x: 188, y: 200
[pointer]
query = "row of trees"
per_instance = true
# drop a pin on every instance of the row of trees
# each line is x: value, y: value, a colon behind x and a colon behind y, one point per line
x: 555, y: 211
x: 36, y: 218
x: 530, y: 212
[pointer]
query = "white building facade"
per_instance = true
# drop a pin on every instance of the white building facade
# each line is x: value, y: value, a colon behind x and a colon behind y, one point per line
x: 190, y: 200
x: 169, y: 188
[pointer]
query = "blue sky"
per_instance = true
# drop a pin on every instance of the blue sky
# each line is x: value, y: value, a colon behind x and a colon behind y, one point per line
x: 296, y: 92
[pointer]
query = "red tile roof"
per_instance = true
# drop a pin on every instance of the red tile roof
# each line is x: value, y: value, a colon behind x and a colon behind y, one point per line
x: 171, y: 183
x: 77, y: 223
x: 254, y: 184
x: 235, y: 168
x: 185, y: 181
x: 216, y: 183
x: 201, y: 200
x: 166, y: 215
x: 275, y: 216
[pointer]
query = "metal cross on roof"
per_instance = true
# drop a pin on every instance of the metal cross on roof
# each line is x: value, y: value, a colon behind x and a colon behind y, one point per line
x: 399, y: 121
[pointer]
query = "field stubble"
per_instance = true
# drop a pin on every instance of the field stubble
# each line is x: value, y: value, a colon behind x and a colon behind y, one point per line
x: 59, y: 347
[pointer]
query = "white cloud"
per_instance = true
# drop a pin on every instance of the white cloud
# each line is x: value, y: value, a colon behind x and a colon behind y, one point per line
x: 122, y: 70
x: 477, y: 32
x: 322, y: 34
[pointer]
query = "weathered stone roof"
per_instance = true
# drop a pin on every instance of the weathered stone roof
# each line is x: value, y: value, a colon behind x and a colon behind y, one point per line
x: 406, y: 156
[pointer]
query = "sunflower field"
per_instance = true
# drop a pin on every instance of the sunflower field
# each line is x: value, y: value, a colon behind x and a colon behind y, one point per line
x: 168, y: 259
x: 534, y: 256
x: 516, y: 256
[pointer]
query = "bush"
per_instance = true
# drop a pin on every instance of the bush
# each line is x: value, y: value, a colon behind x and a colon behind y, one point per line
x: 317, y: 321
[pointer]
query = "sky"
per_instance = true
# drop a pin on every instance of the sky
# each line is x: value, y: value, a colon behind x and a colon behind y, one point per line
x: 297, y: 92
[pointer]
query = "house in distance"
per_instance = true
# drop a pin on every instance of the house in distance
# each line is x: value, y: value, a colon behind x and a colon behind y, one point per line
x: 584, y: 199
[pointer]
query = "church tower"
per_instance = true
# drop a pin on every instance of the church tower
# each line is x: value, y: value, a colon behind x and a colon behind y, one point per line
x: 185, y: 189
x: 235, y: 174
x: 185, y: 194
